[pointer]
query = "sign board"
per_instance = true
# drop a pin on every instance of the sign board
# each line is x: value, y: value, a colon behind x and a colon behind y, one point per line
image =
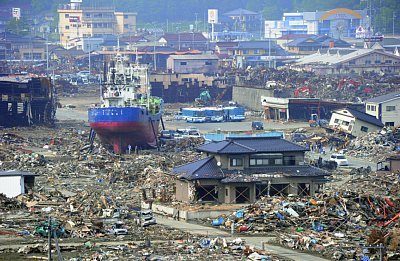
x: 74, y: 19
x: 16, y: 13
x: 360, y: 32
x: 212, y: 16
x: 374, y: 39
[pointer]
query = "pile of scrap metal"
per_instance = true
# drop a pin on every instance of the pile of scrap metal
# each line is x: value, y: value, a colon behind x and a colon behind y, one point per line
x: 26, y: 100
x: 333, y: 224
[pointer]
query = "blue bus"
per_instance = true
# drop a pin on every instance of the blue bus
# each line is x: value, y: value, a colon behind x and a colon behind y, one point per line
x: 195, y: 115
x: 214, y: 114
x: 234, y: 113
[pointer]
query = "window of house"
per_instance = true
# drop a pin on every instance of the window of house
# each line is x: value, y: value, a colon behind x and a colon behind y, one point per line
x: 377, y: 61
x: 67, y: 27
x: 126, y: 26
x: 125, y: 16
x: 368, y: 107
x: 245, y: 51
x: 390, y: 108
x: 389, y: 123
x: 256, y: 51
x: 367, y: 62
x: 388, y: 61
x: 336, y: 121
x: 208, y: 63
x: 66, y: 15
x: 364, y: 129
x: 266, y: 159
x: 346, y: 123
x: 289, y: 160
x: 373, y: 108
x: 236, y: 162
x: 183, y: 63
x: 226, y: 192
x: 88, y: 25
x: 352, y: 62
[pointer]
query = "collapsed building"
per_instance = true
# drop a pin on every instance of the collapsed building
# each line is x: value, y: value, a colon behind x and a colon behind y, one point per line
x: 26, y: 101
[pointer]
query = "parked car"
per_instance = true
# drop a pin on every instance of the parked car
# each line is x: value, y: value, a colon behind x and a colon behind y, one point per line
x: 340, y: 159
x: 257, y: 125
x: 118, y: 229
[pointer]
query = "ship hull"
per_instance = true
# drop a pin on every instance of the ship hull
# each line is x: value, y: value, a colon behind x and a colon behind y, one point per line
x: 121, y: 127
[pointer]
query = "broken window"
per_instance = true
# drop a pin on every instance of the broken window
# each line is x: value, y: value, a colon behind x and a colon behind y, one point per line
x: 303, y: 189
x: 242, y: 195
x: 364, y: 129
x: 206, y: 193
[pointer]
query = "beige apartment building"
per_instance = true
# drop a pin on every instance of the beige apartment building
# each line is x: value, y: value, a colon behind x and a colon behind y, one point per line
x: 77, y: 22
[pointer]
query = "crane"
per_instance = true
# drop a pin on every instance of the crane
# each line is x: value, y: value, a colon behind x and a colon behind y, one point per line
x: 303, y: 89
x: 346, y: 81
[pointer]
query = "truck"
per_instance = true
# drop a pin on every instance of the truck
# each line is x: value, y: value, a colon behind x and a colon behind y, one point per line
x: 144, y: 218
x: 234, y: 113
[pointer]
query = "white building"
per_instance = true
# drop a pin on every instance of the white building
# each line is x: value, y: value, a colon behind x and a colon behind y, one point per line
x: 15, y: 182
x: 354, y: 122
x: 336, y: 23
x: 386, y: 108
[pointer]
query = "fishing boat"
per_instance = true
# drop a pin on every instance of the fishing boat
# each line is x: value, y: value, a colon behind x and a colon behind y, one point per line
x: 128, y: 116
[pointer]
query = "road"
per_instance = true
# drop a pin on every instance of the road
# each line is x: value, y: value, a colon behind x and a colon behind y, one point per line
x: 252, y: 241
x: 353, y: 162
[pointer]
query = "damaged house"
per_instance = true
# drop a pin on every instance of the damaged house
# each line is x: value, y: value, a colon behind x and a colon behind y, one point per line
x: 354, y: 122
x: 241, y: 170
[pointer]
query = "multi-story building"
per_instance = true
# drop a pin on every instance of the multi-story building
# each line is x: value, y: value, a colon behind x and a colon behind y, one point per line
x: 385, y: 108
x: 76, y: 21
x: 340, y: 22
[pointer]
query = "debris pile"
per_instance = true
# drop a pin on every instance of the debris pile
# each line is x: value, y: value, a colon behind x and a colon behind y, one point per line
x: 333, y: 224
x: 375, y: 145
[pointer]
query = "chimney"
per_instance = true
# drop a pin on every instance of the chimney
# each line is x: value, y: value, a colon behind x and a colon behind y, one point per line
x: 331, y: 44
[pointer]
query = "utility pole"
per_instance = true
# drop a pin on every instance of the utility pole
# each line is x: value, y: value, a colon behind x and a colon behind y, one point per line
x: 195, y: 22
x: 49, y: 239
x: 47, y: 54
x: 394, y: 16
x: 269, y: 49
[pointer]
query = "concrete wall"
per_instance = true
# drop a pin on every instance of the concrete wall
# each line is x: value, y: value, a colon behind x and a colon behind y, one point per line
x: 192, y: 65
x: 186, y: 214
x: 250, y: 97
x: 394, y: 165
x: 182, y: 190
x: 11, y: 186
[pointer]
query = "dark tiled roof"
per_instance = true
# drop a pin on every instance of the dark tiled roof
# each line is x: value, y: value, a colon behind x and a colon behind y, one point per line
x: 366, y: 117
x: 257, y: 44
x: 292, y: 171
x: 208, y: 169
x: 202, y: 169
x: 318, y: 41
x: 251, y: 145
x: 175, y: 37
x: 386, y: 97
x: 235, y: 178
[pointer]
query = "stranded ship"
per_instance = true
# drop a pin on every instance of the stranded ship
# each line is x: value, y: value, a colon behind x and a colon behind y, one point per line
x: 128, y: 115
